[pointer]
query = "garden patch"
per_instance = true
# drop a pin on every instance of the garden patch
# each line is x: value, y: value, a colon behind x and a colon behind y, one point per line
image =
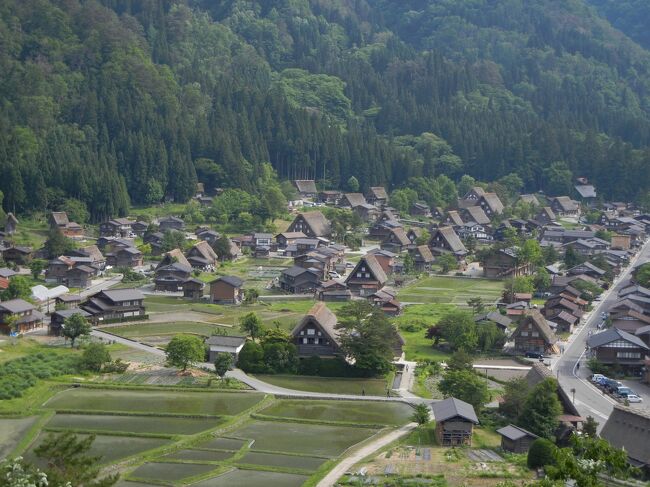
x: 253, y: 478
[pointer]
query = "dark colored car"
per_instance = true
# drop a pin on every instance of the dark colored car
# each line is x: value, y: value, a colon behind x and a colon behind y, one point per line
x: 538, y: 355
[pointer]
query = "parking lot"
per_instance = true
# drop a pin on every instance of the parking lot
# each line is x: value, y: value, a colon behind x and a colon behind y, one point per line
x: 629, y: 392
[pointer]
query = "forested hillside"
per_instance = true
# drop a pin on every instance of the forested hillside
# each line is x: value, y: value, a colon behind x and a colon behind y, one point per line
x: 632, y: 17
x: 115, y: 102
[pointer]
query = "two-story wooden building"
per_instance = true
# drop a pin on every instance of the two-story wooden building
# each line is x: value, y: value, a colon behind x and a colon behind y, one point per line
x: 455, y: 420
x: 115, y: 304
x: 312, y: 223
x: 533, y: 334
x: 617, y: 347
x: 19, y: 316
x: 227, y: 290
x: 367, y: 277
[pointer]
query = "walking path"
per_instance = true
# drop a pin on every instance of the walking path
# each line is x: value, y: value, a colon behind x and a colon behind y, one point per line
x: 368, y: 449
x: 262, y: 386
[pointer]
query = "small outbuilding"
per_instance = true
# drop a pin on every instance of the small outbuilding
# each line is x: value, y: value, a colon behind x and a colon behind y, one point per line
x: 230, y: 344
x: 455, y: 420
x: 515, y: 439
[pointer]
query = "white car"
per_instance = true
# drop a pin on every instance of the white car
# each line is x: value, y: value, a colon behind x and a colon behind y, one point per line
x: 597, y: 377
x: 634, y: 398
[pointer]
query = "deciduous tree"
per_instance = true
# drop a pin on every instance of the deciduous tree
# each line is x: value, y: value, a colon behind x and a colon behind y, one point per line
x: 75, y: 326
x: 184, y: 350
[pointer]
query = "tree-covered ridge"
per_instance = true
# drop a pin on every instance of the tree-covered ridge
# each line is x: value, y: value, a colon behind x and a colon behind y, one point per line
x: 118, y: 101
x: 629, y: 16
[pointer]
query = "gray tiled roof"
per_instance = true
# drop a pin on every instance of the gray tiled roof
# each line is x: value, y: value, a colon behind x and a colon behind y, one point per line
x: 612, y: 335
x: 452, y: 407
x: 514, y: 433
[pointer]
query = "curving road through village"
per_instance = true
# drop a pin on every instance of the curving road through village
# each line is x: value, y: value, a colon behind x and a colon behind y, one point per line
x: 590, y: 400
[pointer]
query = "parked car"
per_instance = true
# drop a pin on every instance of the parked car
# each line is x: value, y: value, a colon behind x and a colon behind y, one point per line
x: 624, y: 391
x: 538, y: 355
x: 601, y: 381
x: 634, y: 398
x: 611, y: 385
x: 597, y: 377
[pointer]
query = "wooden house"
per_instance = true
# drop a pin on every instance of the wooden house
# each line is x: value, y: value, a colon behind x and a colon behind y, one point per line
x: 26, y: 316
x: 367, y: 277
x: 283, y: 240
x: 386, y: 259
x: 125, y: 257
x: 227, y: 290
x: 367, y: 212
x: 59, y: 220
x: 529, y: 199
x: 422, y: 258
x: 515, y: 439
x: 629, y: 429
x: 491, y: 204
x: 475, y: 214
x: 330, y: 197
x: 565, y: 206
x: 333, y: 290
x: 202, y: 256
x: 453, y: 218
x: 58, y: 317
x: 377, y: 196
x: 115, y: 304
x: 18, y: 255
x: 316, y: 334
x: 396, y: 240
x: 445, y: 240
x: 306, y: 188
x: 193, y: 288
x: 455, y: 420
x: 617, y: 347
x: 545, y: 216
x: 504, y: 263
x: 298, y: 280
x: 68, y: 301
x: 350, y: 200
x: 170, y: 278
x: 116, y: 227
x: 420, y: 208
x: 533, y: 334
x: 313, y: 224
x: 171, y: 224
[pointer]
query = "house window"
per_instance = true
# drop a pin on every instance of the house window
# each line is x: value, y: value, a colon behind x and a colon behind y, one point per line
x: 367, y: 275
x: 304, y: 341
x: 535, y: 334
x: 524, y: 333
x: 311, y: 331
x: 631, y: 355
x: 359, y: 274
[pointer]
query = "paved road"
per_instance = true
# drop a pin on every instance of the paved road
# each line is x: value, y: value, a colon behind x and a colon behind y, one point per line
x: 368, y: 449
x: 589, y: 400
x: 105, y: 284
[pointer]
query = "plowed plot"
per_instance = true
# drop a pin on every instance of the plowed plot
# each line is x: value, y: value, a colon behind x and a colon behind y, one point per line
x: 309, y: 464
x: 367, y: 412
x: 132, y: 424
x: 170, y: 472
x: 109, y: 448
x: 253, y: 478
x: 199, y: 455
x: 215, y: 403
x: 302, y: 438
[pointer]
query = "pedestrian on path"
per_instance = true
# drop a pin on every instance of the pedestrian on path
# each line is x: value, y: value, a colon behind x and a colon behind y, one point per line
x: 387, y: 392
x: 363, y: 392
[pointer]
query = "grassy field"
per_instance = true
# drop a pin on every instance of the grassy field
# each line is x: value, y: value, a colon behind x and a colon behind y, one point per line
x: 132, y: 424
x: 253, y: 478
x: 417, y: 346
x: 343, y: 411
x: 336, y: 385
x: 316, y: 440
x: 213, y: 403
x: 11, y: 432
x: 453, y: 290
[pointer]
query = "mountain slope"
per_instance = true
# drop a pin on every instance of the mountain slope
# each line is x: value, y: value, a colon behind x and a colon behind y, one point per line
x: 112, y: 101
x: 629, y: 16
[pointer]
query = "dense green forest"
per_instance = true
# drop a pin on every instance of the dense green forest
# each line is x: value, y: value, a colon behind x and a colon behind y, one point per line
x: 119, y: 102
x: 632, y: 17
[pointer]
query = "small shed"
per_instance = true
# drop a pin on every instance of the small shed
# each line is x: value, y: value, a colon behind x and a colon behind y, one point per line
x: 455, y: 420
x: 515, y: 439
x: 229, y: 344
x: 193, y: 288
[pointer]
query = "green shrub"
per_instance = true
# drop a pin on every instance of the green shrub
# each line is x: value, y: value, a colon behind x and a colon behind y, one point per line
x: 541, y: 453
